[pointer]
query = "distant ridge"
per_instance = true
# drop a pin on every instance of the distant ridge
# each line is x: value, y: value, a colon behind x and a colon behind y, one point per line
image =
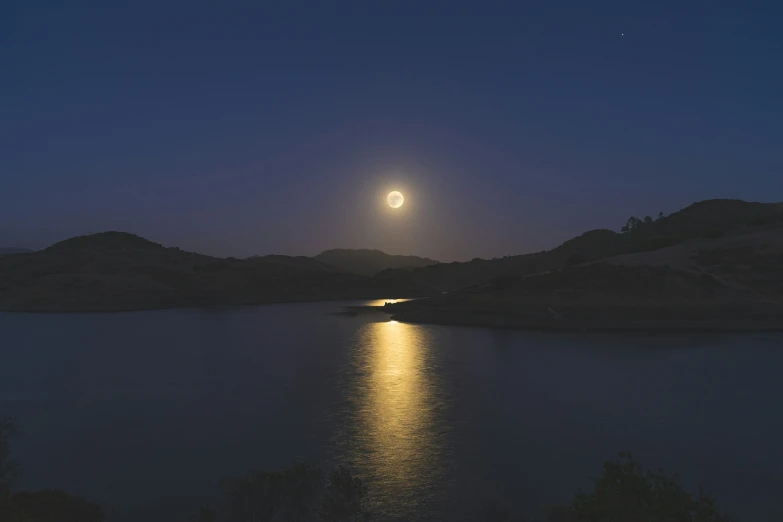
x: 113, y: 271
x: 369, y: 262
x: 301, y: 262
x: 110, y: 240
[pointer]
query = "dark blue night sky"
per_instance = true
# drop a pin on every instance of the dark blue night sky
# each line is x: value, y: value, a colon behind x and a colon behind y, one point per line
x: 236, y: 129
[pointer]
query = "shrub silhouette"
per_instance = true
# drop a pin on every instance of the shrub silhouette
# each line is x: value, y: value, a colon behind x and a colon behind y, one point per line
x: 625, y: 492
x: 38, y: 506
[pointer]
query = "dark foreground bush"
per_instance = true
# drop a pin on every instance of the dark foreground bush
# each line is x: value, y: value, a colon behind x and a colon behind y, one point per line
x: 51, y: 506
x: 38, y: 506
x: 624, y: 492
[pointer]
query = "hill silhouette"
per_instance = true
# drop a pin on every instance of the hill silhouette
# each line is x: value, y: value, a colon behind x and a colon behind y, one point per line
x: 703, y: 220
x: 105, y: 241
x: 13, y: 250
x: 302, y: 262
x: 121, y: 271
x: 369, y: 262
x: 722, y: 257
x: 734, y: 282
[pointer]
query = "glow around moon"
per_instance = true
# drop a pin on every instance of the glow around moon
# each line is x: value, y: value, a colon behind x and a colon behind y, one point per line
x: 395, y: 199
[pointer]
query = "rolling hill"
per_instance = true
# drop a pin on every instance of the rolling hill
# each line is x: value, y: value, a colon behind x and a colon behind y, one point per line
x: 705, y: 219
x: 301, y: 262
x: 732, y: 279
x: 119, y: 271
x: 369, y: 262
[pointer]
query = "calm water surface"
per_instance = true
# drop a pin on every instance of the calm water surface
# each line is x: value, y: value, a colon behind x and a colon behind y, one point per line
x: 146, y: 411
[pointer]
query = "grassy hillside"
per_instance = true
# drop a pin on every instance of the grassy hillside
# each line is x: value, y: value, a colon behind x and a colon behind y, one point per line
x: 706, y: 219
x: 734, y: 282
x: 369, y: 262
x: 119, y: 271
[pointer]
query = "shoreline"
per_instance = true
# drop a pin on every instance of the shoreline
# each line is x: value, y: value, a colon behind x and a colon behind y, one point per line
x: 585, y: 319
x: 477, y: 319
x: 152, y: 308
x: 587, y: 326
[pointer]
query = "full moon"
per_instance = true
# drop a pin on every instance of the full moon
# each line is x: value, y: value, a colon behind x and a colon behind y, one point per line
x: 395, y: 199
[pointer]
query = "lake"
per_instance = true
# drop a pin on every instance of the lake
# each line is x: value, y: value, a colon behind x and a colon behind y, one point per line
x: 146, y: 411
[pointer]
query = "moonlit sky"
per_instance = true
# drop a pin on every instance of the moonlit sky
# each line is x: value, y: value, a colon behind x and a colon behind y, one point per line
x: 236, y: 129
